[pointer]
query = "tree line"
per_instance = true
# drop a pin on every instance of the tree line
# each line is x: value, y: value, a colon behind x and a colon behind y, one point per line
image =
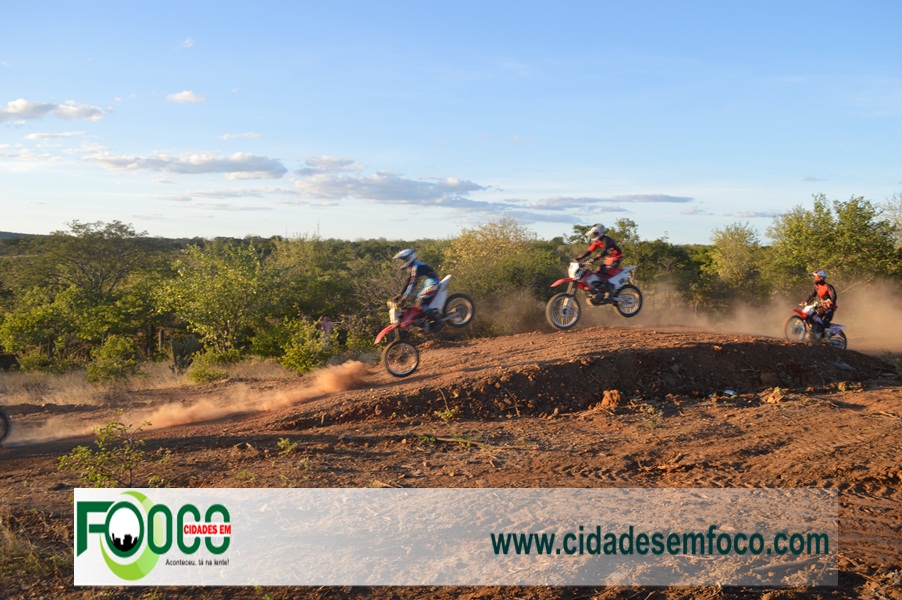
x: 104, y: 297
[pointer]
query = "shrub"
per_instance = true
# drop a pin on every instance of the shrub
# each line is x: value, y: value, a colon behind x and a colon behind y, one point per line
x: 306, y: 349
x: 360, y: 332
x: 182, y: 349
x: 210, y: 365
x: 114, y: 462
x: 114, y: 360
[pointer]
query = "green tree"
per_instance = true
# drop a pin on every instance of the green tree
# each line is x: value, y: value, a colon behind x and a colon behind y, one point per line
x: 736, y: 255
x: 499, y: 257
x: 221, y: 291
x: 314, y: 275
x: 95, y: 257
x: 76, y: 287
x: 849, y: 239
x: 893, y: 211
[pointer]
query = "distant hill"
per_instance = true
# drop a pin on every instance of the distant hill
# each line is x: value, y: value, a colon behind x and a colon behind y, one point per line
x: 5, y: 235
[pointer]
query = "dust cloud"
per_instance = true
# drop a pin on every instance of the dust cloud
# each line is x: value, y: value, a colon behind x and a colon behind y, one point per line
x: 871, y: 313
x: 238, y: 399
x: 328, y: 380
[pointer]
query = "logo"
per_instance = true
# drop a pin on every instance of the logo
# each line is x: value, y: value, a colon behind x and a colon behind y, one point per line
x: 133, y: 532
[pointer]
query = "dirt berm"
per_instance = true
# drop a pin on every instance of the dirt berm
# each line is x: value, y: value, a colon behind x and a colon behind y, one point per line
x: 540, y: 373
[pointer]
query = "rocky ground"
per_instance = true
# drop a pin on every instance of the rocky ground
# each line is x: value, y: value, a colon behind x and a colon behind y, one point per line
x: 596, y: 407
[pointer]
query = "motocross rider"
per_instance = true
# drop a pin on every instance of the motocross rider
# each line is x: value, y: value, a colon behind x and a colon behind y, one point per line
x: 826, y: 297
x: 598, y: 239
x: 417, y: 271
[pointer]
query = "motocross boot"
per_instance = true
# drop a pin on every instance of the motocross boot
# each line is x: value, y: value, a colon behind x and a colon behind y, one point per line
x: 603, y: 292
x: 432, y: 319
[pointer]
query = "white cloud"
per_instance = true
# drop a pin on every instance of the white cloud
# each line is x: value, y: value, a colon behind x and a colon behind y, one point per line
x: 233, y: 208
x: 695, y: 211
x: 186, y: 97
x: 187, y: 43
x: 328, y: 164
x: 582, y: 202
x: 235, y: 136
x: 235, y: 166
x: 232, y: 193
x: 24, y: 110
x: 334, y: 179
x: 754, y: 214
x: 54, y: 136
x: 654, y: 198
x: 386, y: 186
x: 18, y: 153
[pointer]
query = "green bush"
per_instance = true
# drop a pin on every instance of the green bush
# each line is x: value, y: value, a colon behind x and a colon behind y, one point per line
x: 34, y: 360
x: 114, y: 462
x: 114, y: 360
x: 211, y: 365
x: 270, y: 339
x: 360, y: 332
x: 307, y: 348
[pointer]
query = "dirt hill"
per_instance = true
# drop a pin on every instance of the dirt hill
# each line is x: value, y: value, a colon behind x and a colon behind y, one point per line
x: 597, y: 407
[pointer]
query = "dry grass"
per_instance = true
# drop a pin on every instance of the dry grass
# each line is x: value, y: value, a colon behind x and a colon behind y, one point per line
x: 34, y: 545
x: 48, y: 388
x: 74, y: 389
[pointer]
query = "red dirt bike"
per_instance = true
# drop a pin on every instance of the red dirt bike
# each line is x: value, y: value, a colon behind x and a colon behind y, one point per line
x: 4, y: 425
x: 563, y: 310
x: 400, y: 356
x: 800, y: 327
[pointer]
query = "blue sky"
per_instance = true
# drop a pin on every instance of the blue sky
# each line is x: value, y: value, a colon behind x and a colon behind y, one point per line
x: 417, y: 119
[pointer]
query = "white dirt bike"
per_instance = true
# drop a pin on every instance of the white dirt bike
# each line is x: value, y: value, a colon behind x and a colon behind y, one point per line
x: 400, y: 356
x: 562, y: 310
x: 801, y: 326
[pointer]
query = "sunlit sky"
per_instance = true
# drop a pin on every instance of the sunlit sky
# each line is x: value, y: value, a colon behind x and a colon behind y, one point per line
x: 415, y: 120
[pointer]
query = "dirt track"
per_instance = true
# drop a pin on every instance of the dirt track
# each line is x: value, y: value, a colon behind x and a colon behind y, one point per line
x: 598, y: 407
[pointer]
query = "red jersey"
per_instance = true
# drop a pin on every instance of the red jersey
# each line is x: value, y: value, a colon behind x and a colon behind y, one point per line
x: 608, y: 247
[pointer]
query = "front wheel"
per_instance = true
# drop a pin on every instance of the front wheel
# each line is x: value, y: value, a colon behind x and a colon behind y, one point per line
x: 795, y: 330
x: 459, y: 310
x: 628, y: 301
x: 401, y: 358
x: 4, y: 425
x: 838, y: 340
x: 562, y: 311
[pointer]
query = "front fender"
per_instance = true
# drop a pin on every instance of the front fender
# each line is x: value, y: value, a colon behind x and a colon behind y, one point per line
x: 564, y: 280
x: 385, y: 332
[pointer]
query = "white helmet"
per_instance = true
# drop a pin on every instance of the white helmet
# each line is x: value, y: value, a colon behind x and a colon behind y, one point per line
x: 405, y: 258
x: 596, y: 231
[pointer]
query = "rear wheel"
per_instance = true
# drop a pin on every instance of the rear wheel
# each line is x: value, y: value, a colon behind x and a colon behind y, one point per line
x: 838, y: 340
x: 401, y: 358
x: 794, y: 329
x: 459, y: 310
x: 562, y: 311
x: 628, y: 301
x: 4, y: 425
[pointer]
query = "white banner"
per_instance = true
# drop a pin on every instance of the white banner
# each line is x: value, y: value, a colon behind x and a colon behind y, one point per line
x: 511, y: 536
